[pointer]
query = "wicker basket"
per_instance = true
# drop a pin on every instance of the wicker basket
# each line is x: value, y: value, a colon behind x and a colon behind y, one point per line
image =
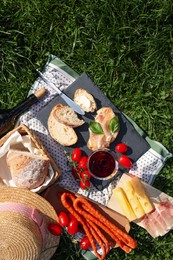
x: 35, y: 141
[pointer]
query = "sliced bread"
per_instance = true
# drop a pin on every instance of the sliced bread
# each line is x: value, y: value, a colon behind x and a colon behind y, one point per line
x: 67, y: 116
x: 85, y: 100
x: 63, y: 134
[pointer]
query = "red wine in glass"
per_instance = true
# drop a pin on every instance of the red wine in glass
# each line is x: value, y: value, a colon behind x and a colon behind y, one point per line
x: 102, y: 164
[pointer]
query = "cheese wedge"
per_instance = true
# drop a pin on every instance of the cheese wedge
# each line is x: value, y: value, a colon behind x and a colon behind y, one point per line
x: 124, y: 203
x: 134, y: 202
x: 141, y: 195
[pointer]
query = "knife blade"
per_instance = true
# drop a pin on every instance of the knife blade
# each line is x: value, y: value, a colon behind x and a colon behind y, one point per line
x: 68, y: 100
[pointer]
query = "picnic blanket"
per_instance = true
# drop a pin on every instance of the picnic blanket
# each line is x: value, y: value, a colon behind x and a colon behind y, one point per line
x: 146, y: 167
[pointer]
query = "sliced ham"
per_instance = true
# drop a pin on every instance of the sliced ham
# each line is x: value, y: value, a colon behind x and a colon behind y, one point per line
x: 154, y: 224
x: 165, y: 209
x: 165, y: 205
x: 160, y: 221
x: 96, y: 141
x: 104, y: 116
x: 100, y: 141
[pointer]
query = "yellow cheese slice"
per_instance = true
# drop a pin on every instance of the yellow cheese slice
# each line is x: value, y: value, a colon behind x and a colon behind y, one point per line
x: 124, y: 203
x: 134, y: 202
x: 141, y: 195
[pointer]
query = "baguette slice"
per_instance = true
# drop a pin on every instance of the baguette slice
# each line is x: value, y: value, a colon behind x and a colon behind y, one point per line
x: 85, y: 100
x: 67, y: 116
x: 63, y: 134
x: 27, y: 170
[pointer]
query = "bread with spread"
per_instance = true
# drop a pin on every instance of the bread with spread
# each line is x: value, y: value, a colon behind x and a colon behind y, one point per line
x: 85, y: 100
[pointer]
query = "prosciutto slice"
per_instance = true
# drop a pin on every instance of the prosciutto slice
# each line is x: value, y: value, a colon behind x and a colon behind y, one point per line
x: 165, y: 209
x: 160, y: 221
x: 100, y: 141
x: 154, y: 224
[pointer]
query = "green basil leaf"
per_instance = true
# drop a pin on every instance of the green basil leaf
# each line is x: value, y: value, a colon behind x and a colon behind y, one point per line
x: 114, y: 124
x: 96, y: 128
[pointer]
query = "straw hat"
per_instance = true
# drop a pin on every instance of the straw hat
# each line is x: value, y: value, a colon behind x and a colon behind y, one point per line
x: 24, y: 217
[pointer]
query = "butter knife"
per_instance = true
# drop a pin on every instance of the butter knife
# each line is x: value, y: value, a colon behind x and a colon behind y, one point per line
x: 68, y: 100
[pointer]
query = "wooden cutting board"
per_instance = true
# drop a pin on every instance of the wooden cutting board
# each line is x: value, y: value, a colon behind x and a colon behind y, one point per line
x: 115, y: 217
x: 154, y: 194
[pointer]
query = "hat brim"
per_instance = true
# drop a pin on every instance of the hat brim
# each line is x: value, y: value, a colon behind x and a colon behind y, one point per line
x: 33, y: 200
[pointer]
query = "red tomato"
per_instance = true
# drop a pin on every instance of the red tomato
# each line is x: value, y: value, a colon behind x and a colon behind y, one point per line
x: 54, y: 229
x: 70, y: 216
x: 121, y: 148
x: 63, y: 219
x: 85, y: 175
x: 85, y: 243
x: 84, y: 184
x: 72, y: 226
x: 76, y: 154
x: 83, y: 162
x: 125, y: 161
x: 75, y: 173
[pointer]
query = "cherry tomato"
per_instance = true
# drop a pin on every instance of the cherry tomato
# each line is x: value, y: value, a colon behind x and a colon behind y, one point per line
x: 76, y: 154
x: 70, y: 216
x: 54, y: 229
x: 85, y: 243
x: 63, y: 219
x: 83, y: 162
x: 84, y: 184
x: 125, y: 161
x: 85, y: 175
x: 72, y: 226
x: 75, y: 173
x: 121, y: 148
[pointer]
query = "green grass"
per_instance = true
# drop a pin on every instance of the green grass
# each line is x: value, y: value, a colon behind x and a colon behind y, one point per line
x: 126, y: 47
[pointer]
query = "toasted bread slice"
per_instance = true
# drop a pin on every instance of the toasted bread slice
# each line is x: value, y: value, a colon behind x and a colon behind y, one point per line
x: 67, y: 116
x: 85, y: 100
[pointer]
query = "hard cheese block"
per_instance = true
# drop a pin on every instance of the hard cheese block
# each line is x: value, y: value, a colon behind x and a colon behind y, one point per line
x: 131, y: 198
x: 125, y: 204
x: 141, y: 195
x: 134, y: 202
x: 160, y: 220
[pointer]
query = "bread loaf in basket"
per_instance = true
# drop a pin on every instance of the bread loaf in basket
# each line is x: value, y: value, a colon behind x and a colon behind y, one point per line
x: 30, y: 170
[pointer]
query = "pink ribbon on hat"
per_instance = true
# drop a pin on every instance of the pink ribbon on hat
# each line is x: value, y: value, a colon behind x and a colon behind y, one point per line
x: 32, y: 213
